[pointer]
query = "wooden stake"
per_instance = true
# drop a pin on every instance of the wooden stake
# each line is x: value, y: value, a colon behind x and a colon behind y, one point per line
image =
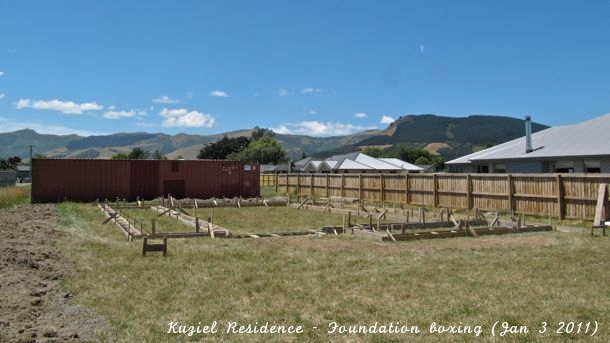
x: 390, y: 235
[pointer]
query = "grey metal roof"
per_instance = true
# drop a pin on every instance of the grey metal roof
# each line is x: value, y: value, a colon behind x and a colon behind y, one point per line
x: 589, y: 138
x: 348, y: 164
x: 402, y: 164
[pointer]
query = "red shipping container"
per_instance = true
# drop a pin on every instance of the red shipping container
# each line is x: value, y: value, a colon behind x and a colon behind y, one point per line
x: 56, y: 180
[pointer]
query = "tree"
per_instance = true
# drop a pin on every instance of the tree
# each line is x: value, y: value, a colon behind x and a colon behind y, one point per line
x: 259, y: 133
x: 14, y: 161
x: 373, y: 152
x: 120, y: 156
x: 439, y: 163
x: 221, y: 149
x: 265, y: 150
x: 157, y: 155
x: 138, y: 154
x: 10, y: 163
x: 421, y: 161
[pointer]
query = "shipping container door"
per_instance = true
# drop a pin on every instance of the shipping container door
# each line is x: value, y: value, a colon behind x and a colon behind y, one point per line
x: 175, y: 188
x: 145, y: 179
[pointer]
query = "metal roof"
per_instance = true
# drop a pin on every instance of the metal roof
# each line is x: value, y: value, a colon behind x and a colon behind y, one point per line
x: 402, y: 164
x: 358, y: 161
x: 589, y: 138
x: 347, y: 164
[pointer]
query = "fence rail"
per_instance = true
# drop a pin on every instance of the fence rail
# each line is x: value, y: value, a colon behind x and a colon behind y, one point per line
x: 564, y: 196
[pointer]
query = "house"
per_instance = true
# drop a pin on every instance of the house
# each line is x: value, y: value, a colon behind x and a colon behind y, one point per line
x: 276, y: 169
x: 23, y: 173
x: 356, y: 163
x: 578, y: 148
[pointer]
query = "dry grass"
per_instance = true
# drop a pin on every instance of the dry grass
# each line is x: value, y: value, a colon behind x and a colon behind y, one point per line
x: 14, y: 195
x: 518, y: 279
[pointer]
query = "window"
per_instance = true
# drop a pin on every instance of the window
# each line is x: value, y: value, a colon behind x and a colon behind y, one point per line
x: 483, y: 169
x: 592, y: 166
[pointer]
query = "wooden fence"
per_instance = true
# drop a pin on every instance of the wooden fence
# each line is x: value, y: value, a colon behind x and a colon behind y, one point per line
x: 564, y: 196
x: 268, y: 179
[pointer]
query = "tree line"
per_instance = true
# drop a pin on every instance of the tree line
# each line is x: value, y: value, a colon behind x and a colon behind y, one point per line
x: 261, y: 147
x: 10, y: 163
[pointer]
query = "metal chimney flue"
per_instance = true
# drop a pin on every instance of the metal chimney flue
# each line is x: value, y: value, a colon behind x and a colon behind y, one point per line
x: 528, y: 134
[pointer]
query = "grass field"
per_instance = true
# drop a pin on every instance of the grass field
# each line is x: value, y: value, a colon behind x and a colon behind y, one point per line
x: 523, y: 280
x: 243, y: 220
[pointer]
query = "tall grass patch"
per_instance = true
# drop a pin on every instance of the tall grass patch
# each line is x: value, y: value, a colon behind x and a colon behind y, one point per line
x: 523, y: 280
x: 13, y: 195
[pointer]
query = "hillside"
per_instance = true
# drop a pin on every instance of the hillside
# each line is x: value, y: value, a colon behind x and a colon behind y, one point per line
x: 181, y: 145
x: 449, y: 136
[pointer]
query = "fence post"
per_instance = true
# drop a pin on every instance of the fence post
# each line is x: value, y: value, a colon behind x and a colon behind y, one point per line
x: 342, y: 185
x: 511, y: 191
x: 407, y: 193
x: 468, y: 191
x: 360, y: 187
x: 381, y: 188
x: 311, y: 187
x: 435, y: 188
x: 327, y: 187
x: 560, y: 197
x: 287, y: 179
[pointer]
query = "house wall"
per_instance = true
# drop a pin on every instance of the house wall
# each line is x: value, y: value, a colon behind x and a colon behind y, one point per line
x: 525, y: 167
x: 578, y: 165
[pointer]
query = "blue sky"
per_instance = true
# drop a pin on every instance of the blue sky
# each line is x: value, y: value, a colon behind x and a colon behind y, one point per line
x: 304, y: 67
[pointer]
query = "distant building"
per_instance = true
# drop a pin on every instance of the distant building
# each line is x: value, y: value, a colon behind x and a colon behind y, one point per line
x: 23, y: 173
x: 578, y: 148
x: 357, y: 163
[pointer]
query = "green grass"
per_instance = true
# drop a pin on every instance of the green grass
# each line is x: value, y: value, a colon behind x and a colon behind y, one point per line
x: 243, y: 220
x: 10, y: 196
x: 521, y: 279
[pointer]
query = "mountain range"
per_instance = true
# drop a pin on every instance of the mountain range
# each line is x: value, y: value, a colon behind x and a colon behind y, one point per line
x: 449, y: 136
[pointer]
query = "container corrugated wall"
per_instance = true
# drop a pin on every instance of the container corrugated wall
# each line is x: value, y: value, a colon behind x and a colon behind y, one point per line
x: 55, y: 180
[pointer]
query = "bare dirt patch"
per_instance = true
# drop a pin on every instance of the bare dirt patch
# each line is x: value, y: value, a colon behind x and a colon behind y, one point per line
x: 33, y: 306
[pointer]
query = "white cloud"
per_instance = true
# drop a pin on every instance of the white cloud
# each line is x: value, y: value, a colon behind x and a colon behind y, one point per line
x: 282, y: 92
x: 421, y: 49
x: 317, y: 128
x: 67, y: 107
x: 386, y: 119
x: 219, y: 94
x: 311, y: 90
x: 312, y: 112
x: 164, y: 99
x: 112, y: 114
x: 360, y: 115
x: 1, y: 73
x: 8, y: 125
x: 2, y: 96
x: 184, y: 118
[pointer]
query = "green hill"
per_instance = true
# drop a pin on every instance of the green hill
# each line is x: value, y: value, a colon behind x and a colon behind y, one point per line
x: 462, y: 135
x: 449, y: 136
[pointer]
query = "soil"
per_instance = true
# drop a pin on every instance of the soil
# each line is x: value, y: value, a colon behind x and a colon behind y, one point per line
x: 33, y: 305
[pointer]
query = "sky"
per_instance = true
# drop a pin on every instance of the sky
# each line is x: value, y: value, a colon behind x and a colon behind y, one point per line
x: 314, y: 67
